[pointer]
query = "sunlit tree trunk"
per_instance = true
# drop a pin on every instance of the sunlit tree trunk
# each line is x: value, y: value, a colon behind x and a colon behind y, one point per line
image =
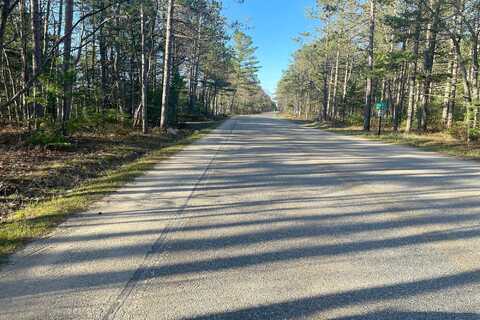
x: 345, y: 84
x: 369, y: 88
x: 400, y: 96
x: 413, y: 74
x: 46, y: 21
x: 325, y: 91
x: 144, y: 72
x: 448, y: 90
x: 167, y: 64
x: 329, y: 98
x: 453, y: 92
x: 335, y: 87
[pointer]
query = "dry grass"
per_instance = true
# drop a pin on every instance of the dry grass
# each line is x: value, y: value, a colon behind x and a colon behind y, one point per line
x: 437, y: 141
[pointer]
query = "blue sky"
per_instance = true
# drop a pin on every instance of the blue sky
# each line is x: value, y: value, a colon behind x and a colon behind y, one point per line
x: 273, y: 24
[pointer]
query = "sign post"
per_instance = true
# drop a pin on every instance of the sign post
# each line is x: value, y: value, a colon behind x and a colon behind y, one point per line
x: 381, y: 108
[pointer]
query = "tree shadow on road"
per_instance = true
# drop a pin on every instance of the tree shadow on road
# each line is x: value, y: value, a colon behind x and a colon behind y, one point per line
x: 411, y: 315
x: 239, y: 220
x: 314, y: 306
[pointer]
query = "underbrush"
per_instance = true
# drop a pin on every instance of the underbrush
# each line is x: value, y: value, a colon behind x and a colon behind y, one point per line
x: 109, y: 121
x: 459, y: 131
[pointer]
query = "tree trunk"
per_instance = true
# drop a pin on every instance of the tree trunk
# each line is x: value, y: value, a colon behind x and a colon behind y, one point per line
x: 23, y: 54
x: 45, y: 28
x: 413, y: 74
x: 344, y: 90
x: 467, y: 89
x: 428, y: 58
x: 474, y: 79
x: 453, y: 92
x: 369, y: 89
x: 67, y: 57
x: 6, y: 10
x: 325, y: 91
x: 192, y: 94
x: 144, y: 72
x: 329, y: 98
x: 36, y: 21
x: 448, y: 90
x: 57, y: 67
x: 103, y: 65
x: 398, y: 108
x: 167, y: 64
x: 335, y: 86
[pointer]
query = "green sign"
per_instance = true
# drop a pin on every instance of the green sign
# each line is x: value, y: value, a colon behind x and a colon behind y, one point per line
x: 382, y: 105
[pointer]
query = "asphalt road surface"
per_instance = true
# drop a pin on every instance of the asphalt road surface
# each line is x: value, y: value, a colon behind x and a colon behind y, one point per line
x: 266, y: 219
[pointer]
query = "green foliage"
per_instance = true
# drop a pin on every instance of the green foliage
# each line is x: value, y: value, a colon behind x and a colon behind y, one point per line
x: 474, y: 134
x: 105, y: 66
x: 38, y: 100
x: 176, y: 88
x: 245, y: 63
x: 49, y: 136
x: 43, y: 137
x: 408, y: 49
x: 354, y: 119
x: 435, y: 120
x: 91, y: 121
x: 458, y: 130
x: 386, y: 63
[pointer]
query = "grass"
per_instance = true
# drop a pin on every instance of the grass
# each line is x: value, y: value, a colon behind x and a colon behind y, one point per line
x: 438, y: 141
x: 38, y: 219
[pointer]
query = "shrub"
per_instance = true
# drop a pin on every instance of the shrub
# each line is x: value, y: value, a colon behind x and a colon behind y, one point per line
x: 354, y: 120
x: 92, y: 121
x: 49, y: 137
x: 458, y: 130
x: 474, y: 134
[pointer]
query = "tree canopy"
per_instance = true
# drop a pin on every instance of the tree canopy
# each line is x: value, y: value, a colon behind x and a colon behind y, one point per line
x: 68, y: 64
x: 420, y: 58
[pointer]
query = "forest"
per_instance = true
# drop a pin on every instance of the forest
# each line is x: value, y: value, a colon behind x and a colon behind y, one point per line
x: 88, y: 86
x: 417, y: 59
x: 71, y: 66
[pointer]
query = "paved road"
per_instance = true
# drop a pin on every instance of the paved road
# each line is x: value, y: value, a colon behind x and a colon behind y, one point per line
x: 266, y: 219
